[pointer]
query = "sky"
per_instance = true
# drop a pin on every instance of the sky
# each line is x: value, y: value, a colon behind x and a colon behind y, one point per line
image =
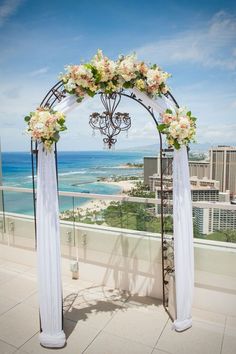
x: 195, y: 41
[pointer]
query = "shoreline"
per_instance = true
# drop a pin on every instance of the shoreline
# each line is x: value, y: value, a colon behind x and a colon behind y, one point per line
x: 125, y: 185
x: 96, y: 205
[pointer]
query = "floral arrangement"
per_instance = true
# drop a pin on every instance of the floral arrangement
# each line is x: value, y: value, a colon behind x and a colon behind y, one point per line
x: 179, y: 127
x: 44, y: 125
x: 106, y: 75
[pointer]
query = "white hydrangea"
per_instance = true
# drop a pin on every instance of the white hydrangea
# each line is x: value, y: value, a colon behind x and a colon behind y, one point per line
x: 127, y: 67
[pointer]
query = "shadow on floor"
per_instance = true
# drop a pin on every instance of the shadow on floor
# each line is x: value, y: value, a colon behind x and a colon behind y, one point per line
x: 94, y: 300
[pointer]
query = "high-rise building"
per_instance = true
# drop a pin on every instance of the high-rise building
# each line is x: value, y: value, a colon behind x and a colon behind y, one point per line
x: 149, y: 167
x: 201, y: 169
x: 220, y: 167
x: 223, y: 167
x: 152, y: 165
x: 201, y: 189
x: 206, y: 220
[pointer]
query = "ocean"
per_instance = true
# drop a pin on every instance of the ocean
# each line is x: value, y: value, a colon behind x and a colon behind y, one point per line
x: 77, y: 172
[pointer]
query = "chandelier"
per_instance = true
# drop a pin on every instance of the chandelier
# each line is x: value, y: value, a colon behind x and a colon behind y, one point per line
x: 110, y: 123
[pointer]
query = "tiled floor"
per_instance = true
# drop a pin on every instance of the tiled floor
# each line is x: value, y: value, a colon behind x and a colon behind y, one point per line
x: 99, y: 320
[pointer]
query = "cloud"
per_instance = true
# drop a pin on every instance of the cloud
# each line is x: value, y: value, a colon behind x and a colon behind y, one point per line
x: 220, y: 133
x: 40, y: 71
x: 146, y: 132
x: 7, y: 9
x: 12, y: 92
x: 212, y: 45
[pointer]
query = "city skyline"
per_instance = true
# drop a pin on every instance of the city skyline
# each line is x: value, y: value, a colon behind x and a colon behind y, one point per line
x: 195, y: 43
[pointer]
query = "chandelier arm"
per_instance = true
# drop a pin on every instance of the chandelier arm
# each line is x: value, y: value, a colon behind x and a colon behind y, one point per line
x: 116, y: 101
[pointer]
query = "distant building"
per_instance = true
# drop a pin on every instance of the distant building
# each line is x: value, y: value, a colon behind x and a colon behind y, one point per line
x: 200, y: 169
x: 210, y: 220
x: 152, y: 165
x: 207, y: 220
x: 223, y: 167
x: 201, y: 189
x: 220, y: 167
x: 149, y: 168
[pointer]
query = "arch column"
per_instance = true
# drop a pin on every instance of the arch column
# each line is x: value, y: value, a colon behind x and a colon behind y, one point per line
x: 49, y: 253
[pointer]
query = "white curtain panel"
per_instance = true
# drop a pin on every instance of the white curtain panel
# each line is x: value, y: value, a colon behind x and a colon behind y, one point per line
x: 48, y: 243
x: 48, y: 252
x: 183, y: 225
x: 183, y: 240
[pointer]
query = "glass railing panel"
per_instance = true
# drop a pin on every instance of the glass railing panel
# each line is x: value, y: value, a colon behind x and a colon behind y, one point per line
x: 113, y: 213
x: 17, y: 218
x: 68, y: 229
x: 2, y: 219
x: 132, y: 216
x: 19, y: 225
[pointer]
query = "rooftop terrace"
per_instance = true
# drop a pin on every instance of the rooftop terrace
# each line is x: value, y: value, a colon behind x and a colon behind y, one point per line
x: 102, y: 320
x: 114, y: 306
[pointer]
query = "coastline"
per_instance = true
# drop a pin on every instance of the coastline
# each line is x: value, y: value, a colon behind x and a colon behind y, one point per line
x: 93, y: 206
x: 125, y: 185
x: 80, y: 171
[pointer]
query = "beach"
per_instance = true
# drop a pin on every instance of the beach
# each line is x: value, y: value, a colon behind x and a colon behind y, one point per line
x: 96, y: 205
x: 125, y: 185
x: 90, y: 172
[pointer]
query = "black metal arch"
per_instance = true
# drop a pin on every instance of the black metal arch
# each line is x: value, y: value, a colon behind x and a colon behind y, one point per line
x: 54, y: 96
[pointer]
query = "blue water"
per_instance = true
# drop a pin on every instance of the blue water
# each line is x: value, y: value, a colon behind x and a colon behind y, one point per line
x: 77, y: 172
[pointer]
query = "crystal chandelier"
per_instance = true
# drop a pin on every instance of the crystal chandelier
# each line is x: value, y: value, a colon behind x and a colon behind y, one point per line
x: 110, y: 123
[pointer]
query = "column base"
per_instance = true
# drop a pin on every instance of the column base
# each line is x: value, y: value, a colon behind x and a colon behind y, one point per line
x: 180, y: 326
x: 52, y: 341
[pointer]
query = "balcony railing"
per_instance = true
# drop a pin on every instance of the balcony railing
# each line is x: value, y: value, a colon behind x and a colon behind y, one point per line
x: 212, y: 220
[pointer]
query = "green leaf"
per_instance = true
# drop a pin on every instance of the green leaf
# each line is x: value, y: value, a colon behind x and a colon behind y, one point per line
x: 56, y: 136
x: 176, y: 145
x: 79, y: 99
x: 193, y: 119
x: 189, y: 113
x: 161, y: 127
x: 97, y: 77
x: 90, y: 93
x: 169, y: 111
x: 27, y: 119
x: 127, y: 84
x: 102, y: 85
x: 89, y: 66
x: 61, y: 121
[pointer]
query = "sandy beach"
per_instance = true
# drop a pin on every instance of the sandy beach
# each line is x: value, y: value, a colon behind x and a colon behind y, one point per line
x: 95, y: 205
x: 125, y: 186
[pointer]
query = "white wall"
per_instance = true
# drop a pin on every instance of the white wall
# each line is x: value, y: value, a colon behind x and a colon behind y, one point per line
x: 130, y: 260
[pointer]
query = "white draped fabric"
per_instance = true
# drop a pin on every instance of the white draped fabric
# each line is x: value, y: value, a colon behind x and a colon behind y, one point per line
x: 183, y: 225
x: 48, y: 252
x: 183, y: 240
x: 48, y: 243
x: 48, y: 235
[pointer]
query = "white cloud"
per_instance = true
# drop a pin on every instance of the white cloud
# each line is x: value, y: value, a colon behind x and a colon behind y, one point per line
x: 212, y: 45
x: 215, y: 134
x: 40, y: 71
x: 146, y: 132
x: 7, y: 9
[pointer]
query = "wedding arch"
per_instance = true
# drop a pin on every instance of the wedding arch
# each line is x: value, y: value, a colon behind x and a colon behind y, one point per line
x: 145, y: 85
